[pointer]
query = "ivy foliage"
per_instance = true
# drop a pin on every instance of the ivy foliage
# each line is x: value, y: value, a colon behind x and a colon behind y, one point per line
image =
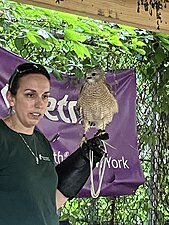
x: 71, y: 44
x: 66, y: 42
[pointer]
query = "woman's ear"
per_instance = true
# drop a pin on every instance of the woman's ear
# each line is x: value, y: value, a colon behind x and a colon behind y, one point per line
x: 10, y: 98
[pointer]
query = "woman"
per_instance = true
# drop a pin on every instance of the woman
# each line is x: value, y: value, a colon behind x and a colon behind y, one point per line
x: 31, y: 188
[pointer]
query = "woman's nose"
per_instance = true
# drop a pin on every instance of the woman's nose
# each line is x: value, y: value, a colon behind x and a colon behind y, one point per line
x: 39, y: 102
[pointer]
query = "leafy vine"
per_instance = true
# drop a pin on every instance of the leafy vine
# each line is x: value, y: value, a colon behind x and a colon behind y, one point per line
x: 153, y: 5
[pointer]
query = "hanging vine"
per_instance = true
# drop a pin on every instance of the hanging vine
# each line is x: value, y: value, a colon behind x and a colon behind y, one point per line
x: 153, y: 5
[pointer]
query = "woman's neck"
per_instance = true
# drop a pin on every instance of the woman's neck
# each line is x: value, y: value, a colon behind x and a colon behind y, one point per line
x: 13, y: 125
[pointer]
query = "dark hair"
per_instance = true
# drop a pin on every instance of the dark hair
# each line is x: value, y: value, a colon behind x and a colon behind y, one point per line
x: 22, y: 70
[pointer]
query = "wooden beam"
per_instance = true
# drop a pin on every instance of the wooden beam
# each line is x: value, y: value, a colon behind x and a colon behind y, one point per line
x: 120, y: 12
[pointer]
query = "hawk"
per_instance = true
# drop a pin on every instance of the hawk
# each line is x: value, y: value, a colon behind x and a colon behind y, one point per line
x: 96, y: 103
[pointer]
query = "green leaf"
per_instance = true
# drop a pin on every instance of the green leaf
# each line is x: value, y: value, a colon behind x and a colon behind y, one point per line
x: 115, y: 40
x: 78, y: 72
x: 68, y: 18
x: 57, y: 74
x: 1, y: 21
x: 31, y: 37
x: 151, y: 70
x: 141, y: 51
x: 81, y: 50
x: 164, y: 40
x: 19, y: 43
x: 166, y: 46
x: 73, y: 35
x: 138, y: 43
x: 159, y: 55
x: 43, y: 43
x: 131, y: 30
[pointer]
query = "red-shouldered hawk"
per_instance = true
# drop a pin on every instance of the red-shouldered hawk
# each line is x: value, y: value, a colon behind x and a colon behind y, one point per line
x: 96, y: 103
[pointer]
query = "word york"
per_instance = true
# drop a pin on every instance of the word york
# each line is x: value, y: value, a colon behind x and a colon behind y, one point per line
x: 121, y: 163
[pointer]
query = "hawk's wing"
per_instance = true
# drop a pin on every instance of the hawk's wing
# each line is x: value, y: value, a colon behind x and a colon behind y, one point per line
x: 78, y: 106
x: 115, y: 104
x: 108, y: 86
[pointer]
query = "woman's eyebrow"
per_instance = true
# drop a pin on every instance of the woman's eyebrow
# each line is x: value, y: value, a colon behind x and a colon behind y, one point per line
x: 47, y: 92
x: 28, y: 89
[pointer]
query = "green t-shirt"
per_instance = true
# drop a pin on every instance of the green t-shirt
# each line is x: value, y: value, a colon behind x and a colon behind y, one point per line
x: 27, y: 190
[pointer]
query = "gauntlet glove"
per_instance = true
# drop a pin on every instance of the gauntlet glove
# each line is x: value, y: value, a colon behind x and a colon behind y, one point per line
x: 74, y: 171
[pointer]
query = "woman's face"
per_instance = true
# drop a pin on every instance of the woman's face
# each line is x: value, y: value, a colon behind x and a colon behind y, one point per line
x: 31, y: 100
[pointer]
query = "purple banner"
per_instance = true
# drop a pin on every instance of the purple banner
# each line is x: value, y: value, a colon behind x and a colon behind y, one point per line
x: 60, y: 125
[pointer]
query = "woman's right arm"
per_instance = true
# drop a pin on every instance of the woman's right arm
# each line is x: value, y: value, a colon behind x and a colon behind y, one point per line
x: 60, y: 199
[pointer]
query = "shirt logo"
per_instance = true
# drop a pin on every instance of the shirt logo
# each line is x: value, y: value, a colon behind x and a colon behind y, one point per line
x: 44, y: 158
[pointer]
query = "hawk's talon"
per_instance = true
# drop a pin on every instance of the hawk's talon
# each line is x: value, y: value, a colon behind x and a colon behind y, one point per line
x: 99, y: 133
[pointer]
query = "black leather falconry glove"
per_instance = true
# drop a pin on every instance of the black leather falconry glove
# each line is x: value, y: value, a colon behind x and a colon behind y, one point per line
x: 74, y: 171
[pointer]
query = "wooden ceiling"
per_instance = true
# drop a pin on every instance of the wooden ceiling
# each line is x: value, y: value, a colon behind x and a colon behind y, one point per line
x: 116, y: 11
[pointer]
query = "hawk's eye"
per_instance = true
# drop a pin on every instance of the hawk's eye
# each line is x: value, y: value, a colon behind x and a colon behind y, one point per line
x: 93, y: 74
